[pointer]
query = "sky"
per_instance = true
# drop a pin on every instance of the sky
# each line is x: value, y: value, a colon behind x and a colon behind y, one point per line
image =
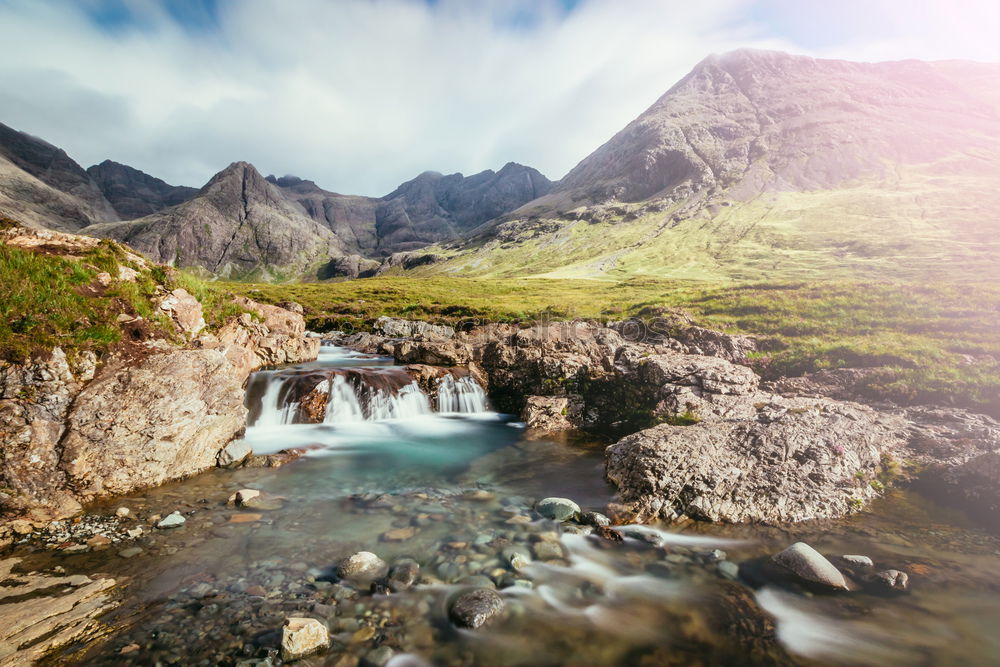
x: 361, y: 95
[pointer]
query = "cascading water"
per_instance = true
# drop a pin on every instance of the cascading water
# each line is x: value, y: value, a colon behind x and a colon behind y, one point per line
x: 353, y: 393
x: 463, y: 395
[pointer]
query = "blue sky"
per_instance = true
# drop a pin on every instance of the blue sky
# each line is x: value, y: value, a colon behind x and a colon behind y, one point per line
x: 360, y: 95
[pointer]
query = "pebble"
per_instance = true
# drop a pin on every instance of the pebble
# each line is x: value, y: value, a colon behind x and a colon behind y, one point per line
x: 594, y: 519
x: 245, y: 517
x: 173, y: 520
x: 379, y: 657
x: 729, y: 570
x: 476, y: 608
x: 862, y: 561
x: 130, y: 552
x: 301, y: 637
x: 399, y: 534
x: 123, y: 512
x: 362, y: 565
x: 557, y: 509
x: 895, y: 580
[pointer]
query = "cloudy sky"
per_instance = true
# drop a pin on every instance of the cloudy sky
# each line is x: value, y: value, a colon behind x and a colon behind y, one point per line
x: 360, y: 95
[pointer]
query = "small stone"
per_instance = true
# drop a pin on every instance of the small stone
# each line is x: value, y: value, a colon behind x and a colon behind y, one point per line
x: 362, y: 565
x: 233, y: 454
x: 860, y: 561
x: 379, y: 657
x: 557, y: 509
x: 98, y: 541
x: 810, y: 565
x: 131, y: 552
x: 729, y: 570
x: 714, y: 556
x: 172, y: 520
x: 21, y: 527
x: 242, y: 496
x: 363, y: 634
x: 134, y: 532
x: 894, y: 580
x: 301, y: 637
x: 256, y: 591
x: 476, y: 608
x: 548, y: 551
x: 520, y: 519
x: 128, y: 648
x: 403, y: 574
x: 123, y: 512
x: 479, y: 495
x: 595, y: 519
x: 399, y: 534
x: 202, y: 590
x: 245, y: 517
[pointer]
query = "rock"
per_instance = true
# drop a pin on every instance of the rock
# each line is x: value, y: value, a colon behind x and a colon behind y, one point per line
x: 399, y: 534
x: 893, y: 580
x: 361, y: 566
x: 548, y: 551
x: 595, y: 519
x: 123, y: 512
x: 21, y: 527
x: 243, y: 496
x: 130, y: 552
x: 403, y: 575
x: 557, y: 509
x: 233, y: 454
x: 245, y: 517
x: 302, y: 637
x: 476, y: 608
x: 98, y: 542
x: 184, y: 310
x: 809, y: 460
x: 729, y: 570
x: 424, y: 331
x: 808, y: 564
x: 134, y: 532
x: 378, y: 657
x: 172, y: 520
x: 552, y: 413
x: 859, y: 561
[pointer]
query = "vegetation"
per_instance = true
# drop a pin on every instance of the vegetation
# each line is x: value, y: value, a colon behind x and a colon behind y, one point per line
x: 48, y: 300
x: 937, y: 343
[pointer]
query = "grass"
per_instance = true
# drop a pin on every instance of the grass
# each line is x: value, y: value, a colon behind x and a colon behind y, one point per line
x: 48, y: 301
x: 935, y: 343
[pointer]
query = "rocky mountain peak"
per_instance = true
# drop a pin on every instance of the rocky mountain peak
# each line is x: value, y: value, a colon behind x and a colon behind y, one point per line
x: 133, y: 193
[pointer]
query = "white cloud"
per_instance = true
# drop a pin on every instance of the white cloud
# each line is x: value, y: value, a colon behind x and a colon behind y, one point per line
x: 358, y: 95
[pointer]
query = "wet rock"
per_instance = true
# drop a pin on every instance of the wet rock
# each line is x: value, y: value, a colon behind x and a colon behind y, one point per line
x: 234, y: 454
x: 594, y: 519
x: 242, y: 496
x: 477, y: 581
x: 608, y: 534
x: 858, y: 561
x: 476, y: 608
x: 362, y: 566
x: 302, y: 637
x: 123, y: 512
x: 130, y: 552
x: 379, y: 657
x: 729, y: 570
x: 892, y: 580
x: 403, y: 575
x: 397, y: 328
x: 552, y: 413
x: 399, y: 534
x: 517, y: 557
x: 810, y: 565
x: 557, y: 509
x: 172, y: 520
x: 548, y: 551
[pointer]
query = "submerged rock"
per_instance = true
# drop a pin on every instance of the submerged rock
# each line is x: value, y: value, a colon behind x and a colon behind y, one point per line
x: 810, y: 565
x: 233, y: 454
x: 557, y: 509
x: 302, y: 637
x: 476, y: 608
x: 893, y: 580
x: 362, y: 565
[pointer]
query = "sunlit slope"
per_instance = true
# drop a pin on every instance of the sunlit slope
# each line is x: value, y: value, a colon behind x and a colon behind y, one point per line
x: 925, y: 223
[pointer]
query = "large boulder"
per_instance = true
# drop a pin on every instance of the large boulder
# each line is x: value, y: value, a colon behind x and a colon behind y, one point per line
x: 812, y: 460
x: 395, y: 328
x: 142, y: 422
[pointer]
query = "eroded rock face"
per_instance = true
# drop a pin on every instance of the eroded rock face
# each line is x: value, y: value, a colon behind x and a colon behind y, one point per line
x: 811, y: 461
x: 34, y: 401
x: 140, y: 424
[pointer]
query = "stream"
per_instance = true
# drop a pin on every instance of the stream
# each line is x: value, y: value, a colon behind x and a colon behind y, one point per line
x: 442, y: 480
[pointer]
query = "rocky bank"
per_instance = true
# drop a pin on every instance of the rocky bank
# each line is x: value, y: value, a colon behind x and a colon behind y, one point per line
x: 154, y: 408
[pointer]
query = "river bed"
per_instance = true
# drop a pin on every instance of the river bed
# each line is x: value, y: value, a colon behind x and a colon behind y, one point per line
x: 454, y: 492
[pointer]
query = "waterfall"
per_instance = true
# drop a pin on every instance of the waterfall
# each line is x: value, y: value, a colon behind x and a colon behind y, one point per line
x: 350, y: 392
x: 463, y: 395
x: 275, y: 409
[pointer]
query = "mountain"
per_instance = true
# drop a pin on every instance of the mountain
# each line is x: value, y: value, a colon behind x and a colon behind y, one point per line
x: 42, y: 186
x: 133, y: 193
x: 433, y: 207
x: 427, y: 209
x: 762, y: 165
x: 238, y: 226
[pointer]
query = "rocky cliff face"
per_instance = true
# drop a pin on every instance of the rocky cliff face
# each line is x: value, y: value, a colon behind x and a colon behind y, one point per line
x: 239, y: 225
x: 43, y: 186
x: 134, y: 194
x: 754, y: 121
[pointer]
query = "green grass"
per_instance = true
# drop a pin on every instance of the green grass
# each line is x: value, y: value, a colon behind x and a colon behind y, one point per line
x: 934, y: 342
x: 48, y: 301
